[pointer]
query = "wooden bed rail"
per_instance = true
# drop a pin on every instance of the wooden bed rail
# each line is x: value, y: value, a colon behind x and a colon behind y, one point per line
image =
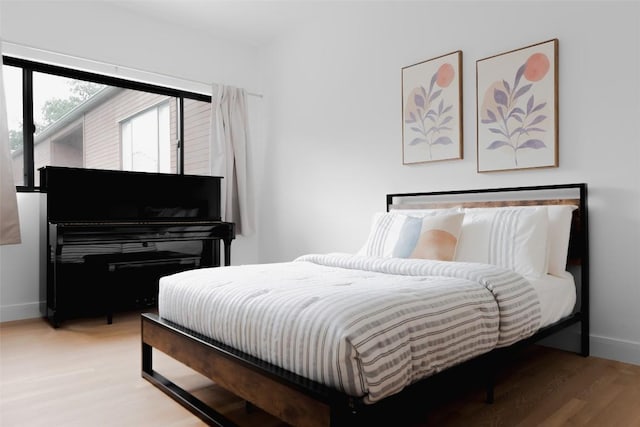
x: 292, y: 398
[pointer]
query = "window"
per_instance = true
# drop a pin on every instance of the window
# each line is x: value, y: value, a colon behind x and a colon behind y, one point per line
x: 60, y: 105
x: 86, y: 120
x: 13, y: 91
x: 145, y: 141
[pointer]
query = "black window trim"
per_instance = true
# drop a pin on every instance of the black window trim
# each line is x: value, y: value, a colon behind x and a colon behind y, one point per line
x: 29, y: 67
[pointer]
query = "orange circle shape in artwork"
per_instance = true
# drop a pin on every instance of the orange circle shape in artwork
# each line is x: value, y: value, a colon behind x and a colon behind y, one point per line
x: 537, y: 67
x: 445, y: 75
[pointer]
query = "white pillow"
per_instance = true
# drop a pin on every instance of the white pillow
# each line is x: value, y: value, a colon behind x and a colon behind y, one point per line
x: 559, y: 232
x: 403, y: 236
x: 510, y: 237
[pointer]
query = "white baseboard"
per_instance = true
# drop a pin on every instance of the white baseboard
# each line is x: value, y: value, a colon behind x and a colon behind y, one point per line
x: 22, y: 311
x: 605, y: 347
x: 616, y: 349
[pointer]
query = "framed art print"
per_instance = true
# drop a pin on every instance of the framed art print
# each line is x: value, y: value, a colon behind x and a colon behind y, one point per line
x: 517, y: 108
x: 432, y: 110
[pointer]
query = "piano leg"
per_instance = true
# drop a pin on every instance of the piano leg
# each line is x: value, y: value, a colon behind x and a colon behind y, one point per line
x: 54, y: 318
x: 54, y: 276
x: 227, y: 251
x: 211, y: 252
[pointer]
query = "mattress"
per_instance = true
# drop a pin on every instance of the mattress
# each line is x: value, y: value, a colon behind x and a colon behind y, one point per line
x: 557, y: 295
x: 363, y: 325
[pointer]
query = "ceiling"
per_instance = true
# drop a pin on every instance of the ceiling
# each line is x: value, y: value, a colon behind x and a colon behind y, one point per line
x: 251, y: 22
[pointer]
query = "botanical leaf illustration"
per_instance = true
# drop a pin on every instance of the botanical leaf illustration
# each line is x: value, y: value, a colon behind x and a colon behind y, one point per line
x: 532, y: 143
x: 539, y: 107
x: 435, y: 95
x: 429, y: 119
x: 497, y: 144
x: 537, y: 120
x: 443, y: 140
x: 433, y: 80
x: 522, y: 91
x: 446, y: 120
x: 506, y: 113
x: 516, y: 111
x: 500, y: 97
x: 491, y: 119
x: 519, y: 74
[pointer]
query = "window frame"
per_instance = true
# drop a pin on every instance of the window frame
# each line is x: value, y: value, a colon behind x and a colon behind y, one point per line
x: 130, y: 119
x: 28, y: 127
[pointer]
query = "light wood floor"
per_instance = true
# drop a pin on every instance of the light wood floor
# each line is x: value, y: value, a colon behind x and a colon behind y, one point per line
x: 87, y: 373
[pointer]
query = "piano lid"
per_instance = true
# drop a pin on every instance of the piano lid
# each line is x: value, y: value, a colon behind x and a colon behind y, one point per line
x: 91, y: 195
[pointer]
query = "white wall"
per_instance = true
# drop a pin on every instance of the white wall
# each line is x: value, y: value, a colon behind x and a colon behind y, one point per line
x: 335, y: 129
x: 333, y: 116
x: 101, y: 32
x: 19, y: 264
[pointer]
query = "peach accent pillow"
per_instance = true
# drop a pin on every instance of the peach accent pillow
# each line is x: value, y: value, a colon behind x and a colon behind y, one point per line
x: 438, y: 237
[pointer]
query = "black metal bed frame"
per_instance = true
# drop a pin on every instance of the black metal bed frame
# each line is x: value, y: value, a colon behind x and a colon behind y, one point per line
x: 300, y: 401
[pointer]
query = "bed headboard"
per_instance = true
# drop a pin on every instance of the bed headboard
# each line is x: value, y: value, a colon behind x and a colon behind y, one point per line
x: 565, y: 194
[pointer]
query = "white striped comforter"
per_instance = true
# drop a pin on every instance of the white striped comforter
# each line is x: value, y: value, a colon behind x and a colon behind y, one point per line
x: 366, y: 326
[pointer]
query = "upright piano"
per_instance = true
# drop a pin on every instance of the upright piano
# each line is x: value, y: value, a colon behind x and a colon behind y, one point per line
x: 112, y: 234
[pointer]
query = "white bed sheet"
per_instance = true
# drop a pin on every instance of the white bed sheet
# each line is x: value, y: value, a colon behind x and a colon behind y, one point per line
x: 557, y: 296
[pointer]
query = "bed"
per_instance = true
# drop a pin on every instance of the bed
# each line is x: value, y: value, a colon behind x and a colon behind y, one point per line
x: 444, y: 280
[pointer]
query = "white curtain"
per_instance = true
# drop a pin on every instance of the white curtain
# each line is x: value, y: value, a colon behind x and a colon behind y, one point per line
x: 229, y: 141
x: 9, y: 221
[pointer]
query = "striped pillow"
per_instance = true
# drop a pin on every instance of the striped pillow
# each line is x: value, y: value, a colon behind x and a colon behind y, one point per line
x: 514, y: 238
x: 403, y: 236
x: 386, y: 229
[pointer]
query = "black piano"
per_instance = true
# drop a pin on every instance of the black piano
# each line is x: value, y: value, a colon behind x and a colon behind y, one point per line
x: 113, y: 234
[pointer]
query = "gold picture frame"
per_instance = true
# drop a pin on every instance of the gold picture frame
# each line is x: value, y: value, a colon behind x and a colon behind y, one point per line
x: 517, y: 108
x: 432, y: 110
